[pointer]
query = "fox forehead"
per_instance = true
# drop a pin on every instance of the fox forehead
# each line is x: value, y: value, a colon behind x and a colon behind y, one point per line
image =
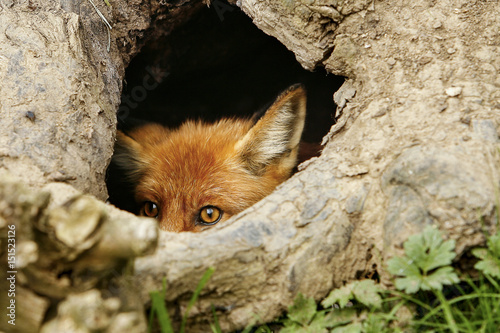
x: 195, y: 150
x: 193, y: 166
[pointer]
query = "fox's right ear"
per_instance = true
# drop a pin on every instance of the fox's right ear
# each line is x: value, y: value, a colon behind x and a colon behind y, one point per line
x: 127, y: 156
x: 274, y: 139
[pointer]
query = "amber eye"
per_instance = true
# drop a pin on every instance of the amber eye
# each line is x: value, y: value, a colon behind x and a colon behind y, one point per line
x: 210, y: 215
x: 149, y: 209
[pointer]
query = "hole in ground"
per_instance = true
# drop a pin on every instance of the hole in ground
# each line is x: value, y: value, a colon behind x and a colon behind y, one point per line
x: 212, y: 68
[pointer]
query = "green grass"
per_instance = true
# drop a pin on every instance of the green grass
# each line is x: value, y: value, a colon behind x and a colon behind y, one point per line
x: 159, y: 308
x: 430, y: 296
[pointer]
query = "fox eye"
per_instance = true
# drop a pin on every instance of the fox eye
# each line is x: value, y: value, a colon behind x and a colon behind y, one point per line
x: 210, y: 215
x: 149, y: 209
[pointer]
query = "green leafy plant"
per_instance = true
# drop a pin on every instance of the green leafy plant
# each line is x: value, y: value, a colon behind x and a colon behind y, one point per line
x: 159, y: 308
x: 425, y: 265
x: 365, y: 291
x: 490, y: 257
x: 303, y: 317
x: 432, y: 298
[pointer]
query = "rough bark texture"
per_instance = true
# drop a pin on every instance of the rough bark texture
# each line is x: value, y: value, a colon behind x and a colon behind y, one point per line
x: 55, y: 116
x: 62, y: 87
x: 66, y: 244
x: 416, y: 143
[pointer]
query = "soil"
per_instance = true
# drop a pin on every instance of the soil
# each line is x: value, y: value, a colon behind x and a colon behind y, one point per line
x: 416, y: 142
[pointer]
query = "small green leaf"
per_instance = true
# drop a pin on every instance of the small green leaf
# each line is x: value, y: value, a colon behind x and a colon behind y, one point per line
x: 494, y: 245
x: 402, y: 266
x: 377, y: 323
x: 351, y: 328
x: 296, y: 328
x: 442, y: 255
x: 480, y: 253
x: 303, y: 310
x: 428, y: 250
x: 338, y: 317
x: 413, y: 283
x: 490, y: 257
x: 425, y: 252
x: 436, y: 280
x: 410, y: 284
x: 342, y: 296
x: 367, y: 292
x: 319, y: 322
x: 488, y: 265
x: 290, y: 326
x: 415, y: 247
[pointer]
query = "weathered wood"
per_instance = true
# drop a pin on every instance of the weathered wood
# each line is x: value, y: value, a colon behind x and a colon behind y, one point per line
x: 62, y: 85
x: 57, y: 121
x: 416, y: 143
x: 64, y: 244
x: 406, y: 151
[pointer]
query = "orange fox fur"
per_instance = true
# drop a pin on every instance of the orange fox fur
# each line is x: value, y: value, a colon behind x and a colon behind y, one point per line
x: 226, y: 166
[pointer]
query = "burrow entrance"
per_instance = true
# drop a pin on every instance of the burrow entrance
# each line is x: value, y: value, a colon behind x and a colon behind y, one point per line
x: 216, y: 65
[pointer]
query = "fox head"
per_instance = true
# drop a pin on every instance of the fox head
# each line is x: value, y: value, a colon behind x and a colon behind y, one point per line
x: 201, y: 174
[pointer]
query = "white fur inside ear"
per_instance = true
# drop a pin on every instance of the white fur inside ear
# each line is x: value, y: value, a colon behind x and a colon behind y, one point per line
x: 277, y: 134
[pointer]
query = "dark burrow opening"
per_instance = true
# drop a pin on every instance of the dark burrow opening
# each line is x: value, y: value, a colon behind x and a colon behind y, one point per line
x: 216, y: 65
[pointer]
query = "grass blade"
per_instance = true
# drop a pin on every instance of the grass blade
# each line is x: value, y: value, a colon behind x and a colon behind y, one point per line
x: 159, y: 308
x: 199, y: 287
x: 216, y: 320
x: 447, y: 311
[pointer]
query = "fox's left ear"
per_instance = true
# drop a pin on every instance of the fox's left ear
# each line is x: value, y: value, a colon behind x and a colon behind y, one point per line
x: 127, y: 156
x: 274, y: 139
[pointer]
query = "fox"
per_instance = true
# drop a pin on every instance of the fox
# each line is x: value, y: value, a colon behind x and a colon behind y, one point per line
x: 201, y: 174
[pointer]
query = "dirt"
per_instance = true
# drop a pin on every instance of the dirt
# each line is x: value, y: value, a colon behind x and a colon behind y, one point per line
x: 416, y: 141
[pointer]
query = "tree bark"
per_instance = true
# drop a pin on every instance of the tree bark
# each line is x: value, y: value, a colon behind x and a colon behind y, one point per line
x: 416, y: 143
x: 65, y: 244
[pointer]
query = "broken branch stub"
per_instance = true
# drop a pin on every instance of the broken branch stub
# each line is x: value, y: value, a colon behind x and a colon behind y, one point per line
x: 66, y: 243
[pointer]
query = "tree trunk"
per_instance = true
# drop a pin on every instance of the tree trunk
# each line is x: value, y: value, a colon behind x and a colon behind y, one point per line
x: 415, y: 143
